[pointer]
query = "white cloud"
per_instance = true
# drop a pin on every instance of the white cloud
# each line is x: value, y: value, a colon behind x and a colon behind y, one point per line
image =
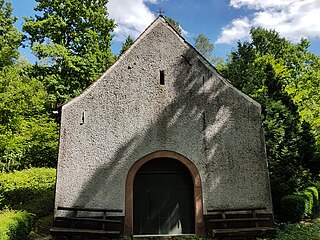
x: 293, y: 19
x: 261, y: 4
x: 238, y: 29
x: 184, y: 32
x: 152, y: 1
x: 131, y: 16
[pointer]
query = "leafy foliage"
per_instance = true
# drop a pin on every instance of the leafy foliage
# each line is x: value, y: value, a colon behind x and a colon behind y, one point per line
x: 15, y: 225
x: 73, y: 39
x: 263, y: 69
x: 203, y: 45
x: 31, y: 190
x: 300, y: 205
x: 304, y: 90
x: 302, y: 231
x: 302, y: 83
x: 175, y: 24
x: 10, y: 38
x: 205, y: 48
x: 314, y: 207
x: 128, y: 42
x: 28, y: 135
x: 293, y: 207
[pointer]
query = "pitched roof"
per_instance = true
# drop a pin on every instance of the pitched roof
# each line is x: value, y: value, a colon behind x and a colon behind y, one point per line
x: 158, y: 20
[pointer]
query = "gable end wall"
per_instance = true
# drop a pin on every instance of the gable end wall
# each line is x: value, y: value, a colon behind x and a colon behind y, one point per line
x: 127, y: 115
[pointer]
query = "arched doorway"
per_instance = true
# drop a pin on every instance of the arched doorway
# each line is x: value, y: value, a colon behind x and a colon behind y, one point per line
x: 187, y: 171
x: 163, y: 198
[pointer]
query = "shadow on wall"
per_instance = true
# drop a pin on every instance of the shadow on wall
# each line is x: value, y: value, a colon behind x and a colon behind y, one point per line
x: 204, y: 106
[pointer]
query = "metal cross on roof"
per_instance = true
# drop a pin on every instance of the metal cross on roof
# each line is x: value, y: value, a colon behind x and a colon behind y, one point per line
x: 160, y: 12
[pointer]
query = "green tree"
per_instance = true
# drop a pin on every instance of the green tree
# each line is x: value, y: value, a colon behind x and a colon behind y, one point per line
x: 128, y: 42
x: 305, y: 92
x: 10, y: 38
x: 203, y: 45
x: 303, y: 83
x: 72, y: 39
x: 205, y: 48
x: 175, y: 24
x: 263, y: 69
x: 303, y: 86
x: 28, y: 136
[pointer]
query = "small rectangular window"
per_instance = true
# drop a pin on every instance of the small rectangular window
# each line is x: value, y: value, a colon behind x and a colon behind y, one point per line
x: 162, y: 77
x: 82, y: 119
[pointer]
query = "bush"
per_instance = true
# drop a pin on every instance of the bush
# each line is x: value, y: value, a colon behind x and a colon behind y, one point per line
x: 298, y: 206
x: 317, y: 210
x: 31, y: 190
x: 15, y: 225
x: 308, y: 203
x: 293, y: 207
x: 317, y: 186
x: 313, y: 201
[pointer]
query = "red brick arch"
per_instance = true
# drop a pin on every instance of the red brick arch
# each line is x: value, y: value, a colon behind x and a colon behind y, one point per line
x: 198, y: 203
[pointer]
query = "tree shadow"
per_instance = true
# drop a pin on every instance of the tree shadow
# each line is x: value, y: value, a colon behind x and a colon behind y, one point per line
x: 196, y: 113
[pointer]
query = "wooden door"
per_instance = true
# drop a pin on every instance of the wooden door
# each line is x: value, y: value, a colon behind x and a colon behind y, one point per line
x: 163, y: 198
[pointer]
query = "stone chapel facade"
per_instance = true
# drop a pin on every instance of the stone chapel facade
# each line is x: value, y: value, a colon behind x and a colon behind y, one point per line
x: 164, y: 137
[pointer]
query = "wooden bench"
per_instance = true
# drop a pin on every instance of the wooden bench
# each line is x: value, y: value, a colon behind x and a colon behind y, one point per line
x: 88, y: 226
x: 240, y: 222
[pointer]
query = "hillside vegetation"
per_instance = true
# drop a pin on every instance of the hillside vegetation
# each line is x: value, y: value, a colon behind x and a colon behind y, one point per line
x: 71, y: 41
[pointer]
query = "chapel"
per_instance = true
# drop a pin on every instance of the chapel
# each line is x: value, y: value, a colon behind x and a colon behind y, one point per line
x: 162, y: 144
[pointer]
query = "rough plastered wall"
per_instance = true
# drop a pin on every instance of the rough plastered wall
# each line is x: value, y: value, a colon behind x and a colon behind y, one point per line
x: 128, y: 114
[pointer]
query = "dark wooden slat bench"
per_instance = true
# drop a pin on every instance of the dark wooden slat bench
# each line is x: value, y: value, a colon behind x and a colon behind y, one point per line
x: 76, y: 231
x: 239, y: 220
x: 234, y: 222
x: 83, y: 219
x: 83, y: 209
x: 77, y: 225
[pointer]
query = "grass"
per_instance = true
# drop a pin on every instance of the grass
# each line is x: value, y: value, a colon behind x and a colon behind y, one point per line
x: 41, y: 228
x: 300, y: 231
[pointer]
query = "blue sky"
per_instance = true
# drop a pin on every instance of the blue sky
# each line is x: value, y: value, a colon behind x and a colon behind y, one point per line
x: 224, y: 22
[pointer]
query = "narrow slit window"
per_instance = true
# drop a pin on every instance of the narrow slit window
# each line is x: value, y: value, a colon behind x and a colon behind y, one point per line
x: 162, y: 77
x: 82, y: 119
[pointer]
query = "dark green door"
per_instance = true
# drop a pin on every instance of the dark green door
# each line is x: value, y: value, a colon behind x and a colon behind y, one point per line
x: 163, y: 198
